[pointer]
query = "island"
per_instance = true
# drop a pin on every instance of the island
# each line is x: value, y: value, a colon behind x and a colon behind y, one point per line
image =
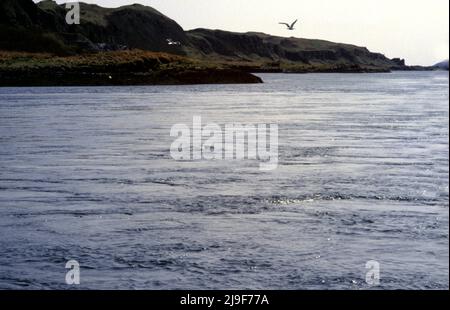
x: 137, y: 45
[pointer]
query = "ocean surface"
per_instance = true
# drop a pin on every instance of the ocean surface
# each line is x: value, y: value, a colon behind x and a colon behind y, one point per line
x: 86, y: 174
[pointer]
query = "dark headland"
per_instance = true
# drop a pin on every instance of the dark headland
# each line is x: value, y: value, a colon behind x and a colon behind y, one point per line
x: 129, y: 46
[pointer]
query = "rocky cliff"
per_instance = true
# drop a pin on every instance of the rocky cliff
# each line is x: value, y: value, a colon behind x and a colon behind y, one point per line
x: 286, y: 52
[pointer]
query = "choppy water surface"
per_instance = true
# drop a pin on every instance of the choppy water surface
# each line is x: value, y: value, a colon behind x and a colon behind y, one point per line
x: 86, y: 174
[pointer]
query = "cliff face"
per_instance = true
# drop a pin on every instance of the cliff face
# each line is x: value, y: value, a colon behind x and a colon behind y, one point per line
x: 213, y: 44
x: 25, y: 26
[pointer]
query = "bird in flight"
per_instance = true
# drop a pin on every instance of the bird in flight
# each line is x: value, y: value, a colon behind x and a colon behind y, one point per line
x: 172, y: 42
x: 290, y: 26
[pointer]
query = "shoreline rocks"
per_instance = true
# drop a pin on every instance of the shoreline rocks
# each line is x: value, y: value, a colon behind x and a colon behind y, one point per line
x: 167, y: 77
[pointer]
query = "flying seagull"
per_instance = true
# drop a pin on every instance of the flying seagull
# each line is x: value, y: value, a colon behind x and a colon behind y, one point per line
x: 291, y: 26
x: 172, y: 42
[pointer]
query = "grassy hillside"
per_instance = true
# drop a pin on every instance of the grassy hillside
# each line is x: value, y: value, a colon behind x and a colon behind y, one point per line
x: 134, y: 60
x: 42, y: 28
x: 131, y: 26
x: 287, y: 52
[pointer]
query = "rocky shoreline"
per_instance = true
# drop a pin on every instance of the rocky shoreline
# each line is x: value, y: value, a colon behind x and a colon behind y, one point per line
x: 114, y: 68
x: 137, y: 67
x: 165, y: 77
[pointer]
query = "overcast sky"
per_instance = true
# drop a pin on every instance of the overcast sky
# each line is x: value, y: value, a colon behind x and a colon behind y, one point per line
x: 413, y: 29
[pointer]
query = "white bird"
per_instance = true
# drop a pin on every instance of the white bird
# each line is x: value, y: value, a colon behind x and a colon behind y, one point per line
x: 290, y: 26
x: 172, y: 42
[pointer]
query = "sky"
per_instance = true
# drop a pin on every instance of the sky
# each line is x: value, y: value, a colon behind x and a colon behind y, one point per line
x: 416, y: 30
